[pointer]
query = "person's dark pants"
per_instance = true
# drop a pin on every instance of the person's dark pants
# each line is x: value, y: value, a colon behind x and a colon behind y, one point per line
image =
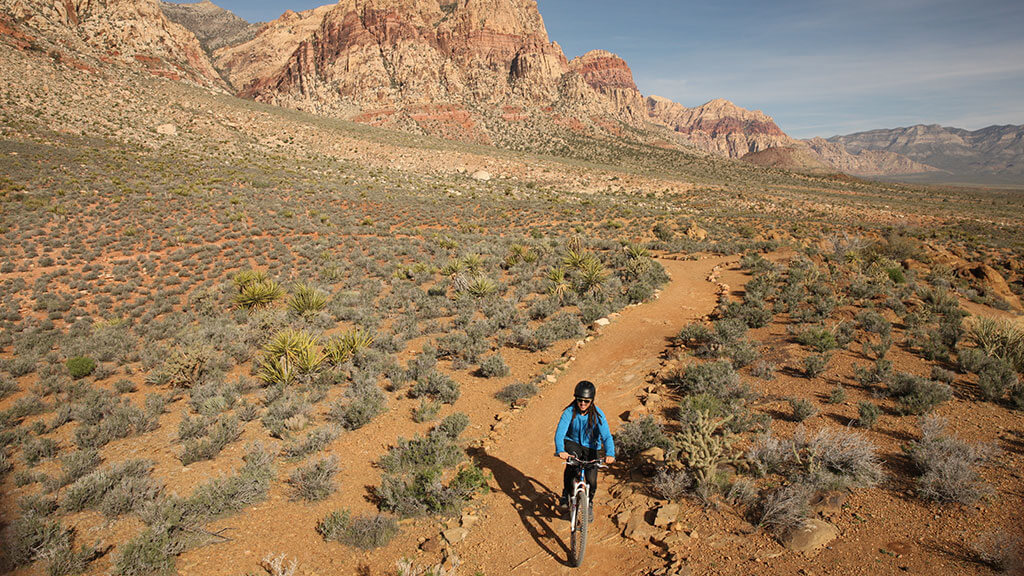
x: 581, y: 453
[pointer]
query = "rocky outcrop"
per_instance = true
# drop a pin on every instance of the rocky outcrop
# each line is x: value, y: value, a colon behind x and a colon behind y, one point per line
x: 719, y: 126
x: 269, y: 50
x: 388, y: 52
x: 213, y: 26
x: 610, y: 76
x: 993, y: 151
x: 865, y: 162
x: 133, y: 32
x: 797, y: 158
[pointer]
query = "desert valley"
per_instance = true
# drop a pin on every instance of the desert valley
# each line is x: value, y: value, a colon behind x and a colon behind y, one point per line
x: 307, y: 297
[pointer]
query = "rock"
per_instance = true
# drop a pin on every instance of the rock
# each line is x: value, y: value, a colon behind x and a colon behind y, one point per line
x: 455, y: 535
x: 828, y: 504
x: 481, y: 175
x: 469, y: 520
x: 167, y: 129
x: 811, y: 535
x: 430, y: 545
x: 602, y: 322
x: 666, y: 515
x: 720, y: 127
x: 637, y: 528
x: 654, y: 455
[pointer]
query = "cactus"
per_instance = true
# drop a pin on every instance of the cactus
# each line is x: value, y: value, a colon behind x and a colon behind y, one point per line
x: 705, y: 445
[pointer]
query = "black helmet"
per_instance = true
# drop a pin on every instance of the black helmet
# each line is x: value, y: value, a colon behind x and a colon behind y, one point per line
x: 585, y: 389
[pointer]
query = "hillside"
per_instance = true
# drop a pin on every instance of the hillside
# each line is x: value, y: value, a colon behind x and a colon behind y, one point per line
x: 213, y: 26
x: 235, y: 335
x: 994, y: 154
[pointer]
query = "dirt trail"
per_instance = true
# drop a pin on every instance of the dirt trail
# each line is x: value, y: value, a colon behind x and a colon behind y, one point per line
x: 521, y: 533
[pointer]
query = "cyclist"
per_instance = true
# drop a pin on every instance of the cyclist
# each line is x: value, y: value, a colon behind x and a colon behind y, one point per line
x: 583, y: 432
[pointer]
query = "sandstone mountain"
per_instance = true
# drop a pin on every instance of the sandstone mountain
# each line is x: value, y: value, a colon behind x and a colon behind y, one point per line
x: 865, y: 162
x: 92, y: 33
x: 996, y: 152
x: 213, y: 26
x: 720, y: 126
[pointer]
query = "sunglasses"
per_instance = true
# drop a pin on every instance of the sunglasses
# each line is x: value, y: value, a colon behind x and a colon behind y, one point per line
x: 583, y: 400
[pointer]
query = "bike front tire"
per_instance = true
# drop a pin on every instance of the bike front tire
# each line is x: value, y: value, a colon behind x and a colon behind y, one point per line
x: 578, y: 544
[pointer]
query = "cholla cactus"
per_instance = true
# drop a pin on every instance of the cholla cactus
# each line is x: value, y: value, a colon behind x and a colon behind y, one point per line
x: 705, y: 445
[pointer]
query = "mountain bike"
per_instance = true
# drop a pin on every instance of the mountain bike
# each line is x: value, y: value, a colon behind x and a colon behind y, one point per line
x: 579, y: 508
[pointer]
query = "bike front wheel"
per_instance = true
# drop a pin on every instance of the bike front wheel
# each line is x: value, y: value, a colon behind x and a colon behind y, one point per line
x: 578, y: 543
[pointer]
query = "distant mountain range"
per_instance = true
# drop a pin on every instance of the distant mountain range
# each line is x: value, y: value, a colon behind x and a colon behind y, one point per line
x: 477, y: 70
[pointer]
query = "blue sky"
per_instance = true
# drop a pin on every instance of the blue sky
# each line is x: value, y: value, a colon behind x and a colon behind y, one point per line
x: 819, y: 68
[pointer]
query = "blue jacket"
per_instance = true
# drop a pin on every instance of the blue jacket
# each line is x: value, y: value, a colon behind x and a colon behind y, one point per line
x: 575, y: 429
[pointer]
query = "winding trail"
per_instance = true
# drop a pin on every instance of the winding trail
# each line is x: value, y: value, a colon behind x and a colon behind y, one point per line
x: 520, y: 531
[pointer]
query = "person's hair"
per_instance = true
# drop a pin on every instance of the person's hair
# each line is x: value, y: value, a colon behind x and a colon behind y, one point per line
x: 593, y: 418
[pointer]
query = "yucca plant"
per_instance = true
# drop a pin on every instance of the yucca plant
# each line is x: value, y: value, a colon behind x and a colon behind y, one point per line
x: 300, y: 348
x: 277, y: 371
x: 558, y: 283
x: 307, y: 300
x: 453, y: 267
x: 591, y: 275
x: 1001, y: 339
x: 257, y: 295
x: 474, y: 263
x: 574, y: 258
x: 481, y: 286
x: 248, y: 277
x: 637, y: 252
x: 343, y: 347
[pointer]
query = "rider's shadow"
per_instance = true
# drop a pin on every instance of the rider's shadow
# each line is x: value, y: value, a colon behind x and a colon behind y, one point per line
x: 535, y: 503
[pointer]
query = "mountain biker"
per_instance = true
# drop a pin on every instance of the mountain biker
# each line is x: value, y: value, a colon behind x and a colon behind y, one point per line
x: 583, y: 432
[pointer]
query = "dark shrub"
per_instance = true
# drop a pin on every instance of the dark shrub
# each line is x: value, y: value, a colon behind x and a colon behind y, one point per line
x: 365, y: 532
x: 516, y: 390
x: 80, y: 366
x: 949, y: 467
x: 638, y: 435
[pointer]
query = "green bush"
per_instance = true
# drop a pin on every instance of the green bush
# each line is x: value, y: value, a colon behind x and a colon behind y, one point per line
x: 493, y: 367
x: 365, y: 532
x: 80, y: 366
x: 638, y: 435
x: 868, y: 414
x: 802, y: 409
x: 917, y: 395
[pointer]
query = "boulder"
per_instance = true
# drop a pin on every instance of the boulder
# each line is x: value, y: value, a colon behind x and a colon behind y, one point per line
x: 811, y: 535
x: 167, y: 129
x: 481, y: 175
x: 666, y: 515
x: 455, y: 535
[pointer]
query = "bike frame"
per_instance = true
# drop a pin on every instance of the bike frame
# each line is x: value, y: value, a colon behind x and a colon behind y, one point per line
x: 580, y: 489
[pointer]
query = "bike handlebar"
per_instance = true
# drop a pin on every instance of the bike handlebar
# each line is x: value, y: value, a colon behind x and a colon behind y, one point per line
x: 574, y: 461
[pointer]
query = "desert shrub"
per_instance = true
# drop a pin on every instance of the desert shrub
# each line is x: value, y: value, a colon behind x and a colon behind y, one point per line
x: 80, y: 366
x: 33, y: 536
x: 192, y: 427
x: 879, y: 373
x: 223, y: 432
x: 91, y: 490
x: 802, y: 409
x: 315, y: 481
x: 917, y: 395
x: 363, y: 401
x: 174, y: 523
x: 426, y: 411
x: 837, y: 395
x: 948, y: 466
x: 972, y: 359
x: 815, y: 364
x: 5, y: 464
x: 35, y: 449
x: 7, y: 387
x: 516, y: 391
x: 940, y: 374
x: 763, y: 369
x: 451, y: 426
x: 315, y: 441
x: 832, y: 459
x: 638, y: 435
x: 130, y: 494
x: 999, y: 551
x: 347, y: 345
x: 996, y: 379
x: 365, y: 532
x: 818, y: 337
x: 867, y: 414
x: 671, y: 484
x: 493, y: 367
x: 433, y: 451
x: 437, y: 385
x: 125, y: 386
x: 717, y: 379
x: 1017, y: 396
x: 784, y: 508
